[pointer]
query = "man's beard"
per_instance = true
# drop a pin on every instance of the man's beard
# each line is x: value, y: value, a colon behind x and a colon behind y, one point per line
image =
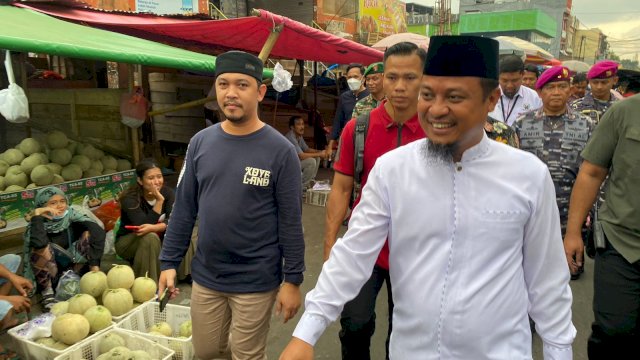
x: 436, y: 154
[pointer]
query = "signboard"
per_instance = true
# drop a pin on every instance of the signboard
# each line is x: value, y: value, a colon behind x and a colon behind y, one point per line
x: 167, y: 7
x: 336, y: 16
x: 385, y: 17
x: 16, y: 207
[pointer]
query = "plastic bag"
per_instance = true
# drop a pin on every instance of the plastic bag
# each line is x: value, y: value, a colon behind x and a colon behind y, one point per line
x: 133, y: 108
x: 68, y: 285
x: 109, y: 244
x: 281, y: 79
x: 108, y: 213
x: 37, y: 328
x: 84, y: 209
x: 14, y: 105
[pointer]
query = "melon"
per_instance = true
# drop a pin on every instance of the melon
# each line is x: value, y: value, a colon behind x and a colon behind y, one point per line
x: 41, y: 175
x: 120, y: 276
x: 57, y: 179
x: 57, y: 140
x: 143, y: 289
x: 15, y: 176
x: 80, y: 303
x: 99, y: 318
x: 3, y: 167
x: 72, y: 146
x: 44, y: 158
x: 60, y: 308
x: 107, y: 171
x: 58, y: 345
x: 55, y: 168
x: 117, y: 353
x: 29, y: 146
x: 118, y: 301
x: 109, y: 162
x: 185, y: 328
x: 110, y: 341
x: 31, y: 186
x: 89, y: 173
x: 30, y: 162
x: 70, y: 328
x: 140, y: 355
x: 60, y: 156
x: 13, y: 188
x: 123, y: 165
x: 46, y: 341
x: 97, y: 165
x: 2, y: 184
x: 71, y: 172
x: 93, y: 283
x: 13, y: 156
x: 83, y: 161
x: 163, y: 328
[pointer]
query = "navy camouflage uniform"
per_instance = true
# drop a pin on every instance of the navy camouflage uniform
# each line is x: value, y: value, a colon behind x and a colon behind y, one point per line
x: 592, y: 107
x: 558, y: 142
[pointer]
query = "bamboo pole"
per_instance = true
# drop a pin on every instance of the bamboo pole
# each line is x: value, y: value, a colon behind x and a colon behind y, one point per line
x: 182, y: 106
x: 135, y: 145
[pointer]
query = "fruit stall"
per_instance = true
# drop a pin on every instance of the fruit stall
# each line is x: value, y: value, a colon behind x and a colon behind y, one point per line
x: 75, y: 137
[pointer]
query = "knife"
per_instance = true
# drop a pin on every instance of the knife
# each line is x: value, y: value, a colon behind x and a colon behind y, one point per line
x: 164, y: 299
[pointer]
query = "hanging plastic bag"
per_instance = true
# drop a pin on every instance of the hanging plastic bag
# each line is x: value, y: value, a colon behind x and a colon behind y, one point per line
x: 14, y: 105
x: 68, y: 286
x: 133, y: 108
x: 281, y: 79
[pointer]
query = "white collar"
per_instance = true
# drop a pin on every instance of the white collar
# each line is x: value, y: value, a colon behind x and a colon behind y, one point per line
x: 519, y: 93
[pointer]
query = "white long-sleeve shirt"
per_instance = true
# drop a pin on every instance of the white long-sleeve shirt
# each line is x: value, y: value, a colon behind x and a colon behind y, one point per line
x: 508, y: 110
x: 475, y: 247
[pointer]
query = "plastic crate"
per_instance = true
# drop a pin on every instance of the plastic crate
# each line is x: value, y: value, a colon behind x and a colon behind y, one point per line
x: 148, y: 314
x: 117, y: 319
x: 90, y: 350
x: 31, y: 350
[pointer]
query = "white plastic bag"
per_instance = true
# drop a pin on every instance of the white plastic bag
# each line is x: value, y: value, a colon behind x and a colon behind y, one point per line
x: 281, y: 79
x: 14, y: 105
x: 109, y: 243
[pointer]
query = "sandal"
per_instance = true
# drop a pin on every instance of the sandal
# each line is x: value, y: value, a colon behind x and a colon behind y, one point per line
x: 48, y: 300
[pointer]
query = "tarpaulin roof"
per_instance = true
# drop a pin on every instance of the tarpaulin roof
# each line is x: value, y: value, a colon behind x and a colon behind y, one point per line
x: 30, y: 31
x: 296, y: 41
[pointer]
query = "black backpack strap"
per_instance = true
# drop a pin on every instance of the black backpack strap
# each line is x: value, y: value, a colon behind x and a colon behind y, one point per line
x: 359, y: 136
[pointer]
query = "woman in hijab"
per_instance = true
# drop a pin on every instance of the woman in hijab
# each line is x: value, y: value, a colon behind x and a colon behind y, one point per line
x: 144, y: 212
x: 57, y: 238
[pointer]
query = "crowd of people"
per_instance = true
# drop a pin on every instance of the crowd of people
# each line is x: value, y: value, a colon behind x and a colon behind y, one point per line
x: 474, y: 183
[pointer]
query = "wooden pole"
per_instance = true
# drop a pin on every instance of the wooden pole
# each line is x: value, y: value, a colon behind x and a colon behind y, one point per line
x: 270, y: 43
x: 135, y: 145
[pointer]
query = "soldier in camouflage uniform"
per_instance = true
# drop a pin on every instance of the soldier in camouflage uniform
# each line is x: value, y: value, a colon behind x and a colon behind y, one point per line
x: 373, y: 77
x: 556, y: 134
x: 602, y: 77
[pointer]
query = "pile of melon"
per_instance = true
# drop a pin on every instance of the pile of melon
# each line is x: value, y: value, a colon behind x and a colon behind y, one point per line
x: 53, y: 160
x: 102, y: 297
x: 112, y: 346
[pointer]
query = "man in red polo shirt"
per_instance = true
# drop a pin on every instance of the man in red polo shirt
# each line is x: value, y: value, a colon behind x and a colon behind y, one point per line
x: 392, y: 124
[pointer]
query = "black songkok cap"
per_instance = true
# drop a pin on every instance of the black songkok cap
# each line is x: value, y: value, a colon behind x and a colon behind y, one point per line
x: 239, y: 62
x: 462, y: 56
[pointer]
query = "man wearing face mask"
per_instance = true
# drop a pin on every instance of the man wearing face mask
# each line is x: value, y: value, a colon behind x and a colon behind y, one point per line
x: 347, y: 102
x: 373, y: 79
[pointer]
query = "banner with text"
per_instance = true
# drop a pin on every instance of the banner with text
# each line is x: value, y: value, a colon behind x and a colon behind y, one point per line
x: 384, y: 17
x: 16, y: 208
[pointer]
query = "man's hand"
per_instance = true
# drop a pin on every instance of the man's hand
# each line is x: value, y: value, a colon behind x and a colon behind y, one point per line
x: 574, y: 250
x: 22, y: 285
x: 19, y: 303
x: 297, y: 350
x: 168, y: 280
x: 288, y: 301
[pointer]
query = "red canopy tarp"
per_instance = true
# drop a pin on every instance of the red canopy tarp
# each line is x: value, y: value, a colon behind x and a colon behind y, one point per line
x: 296, y: 41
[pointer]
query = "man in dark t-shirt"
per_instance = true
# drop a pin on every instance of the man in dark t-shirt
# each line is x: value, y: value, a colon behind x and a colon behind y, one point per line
x: 241, y: 180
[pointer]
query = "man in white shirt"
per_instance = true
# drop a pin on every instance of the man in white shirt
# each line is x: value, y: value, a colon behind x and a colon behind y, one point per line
x: 472, y: 226
x: 515, y: 99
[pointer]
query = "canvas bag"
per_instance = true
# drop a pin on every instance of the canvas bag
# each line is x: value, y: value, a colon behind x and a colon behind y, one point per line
x: 14, y: 105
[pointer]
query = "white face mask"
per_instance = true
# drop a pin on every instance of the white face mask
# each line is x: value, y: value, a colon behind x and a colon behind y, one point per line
x: 354, y: 84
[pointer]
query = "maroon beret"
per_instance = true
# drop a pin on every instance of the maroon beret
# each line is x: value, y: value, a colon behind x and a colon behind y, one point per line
x: 603, y: 70
x: 556, y: 73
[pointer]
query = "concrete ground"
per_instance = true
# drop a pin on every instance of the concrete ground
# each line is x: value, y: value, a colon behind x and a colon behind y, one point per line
x: 328, y: 346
